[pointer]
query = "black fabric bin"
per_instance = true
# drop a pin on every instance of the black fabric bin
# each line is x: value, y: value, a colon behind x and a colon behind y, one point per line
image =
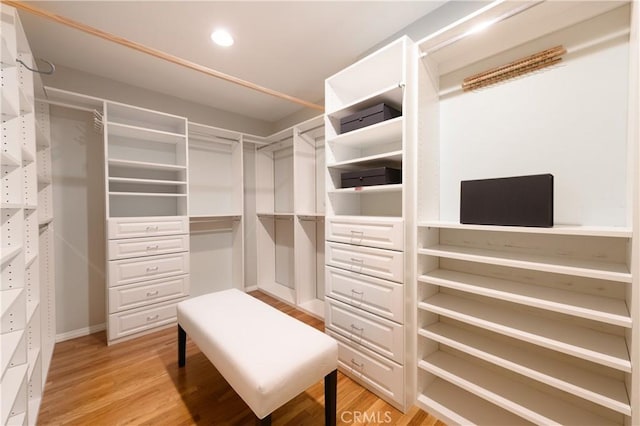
x: 368, y: 177
x: 367, y: 117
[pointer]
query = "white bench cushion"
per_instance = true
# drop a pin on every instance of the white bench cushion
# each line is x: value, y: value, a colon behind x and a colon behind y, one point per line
x: 267, y: 356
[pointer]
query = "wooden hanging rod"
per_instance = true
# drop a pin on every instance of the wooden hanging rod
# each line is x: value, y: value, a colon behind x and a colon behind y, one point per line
x: 514, y: 69
x: 156, y: 53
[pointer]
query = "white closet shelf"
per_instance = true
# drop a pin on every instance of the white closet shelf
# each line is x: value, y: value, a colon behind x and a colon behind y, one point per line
x: 310, y: 216
x: 563, y: 375
x: 390, y: 95
x: 277, y: 145
x: 205, y: 133
x: 146, y: 194
x: 63, y: 97
x: 8, y: 159
x: 384, y: 159
x: 18, y: 419
x: 522, y: 400
x: 29, y: 259
x: 7, y: 56
x: 45, y: 221
x: 26, y: 104
x: 368, y: 189
x: 9, y: 107
x: 144, y: 165
x: 44, y: 179
x: 603, y: 309
x: 376, y: 134
x: 9, y: 253
x: 569, y: 266
x: 10, y: 343
x: 30, y: 206
x: 443, y: 399
x: 281, y: 214
x: 13, y: 381
x: 142, y: 133
x: 13, y: 206
x: 147, y: 181
x: 595, y: 346
x: 9, y: 297
x: 586, y: 231
x: 214, y: 217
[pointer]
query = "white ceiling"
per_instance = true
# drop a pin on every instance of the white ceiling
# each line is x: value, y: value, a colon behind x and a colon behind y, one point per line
x: 289, y: 46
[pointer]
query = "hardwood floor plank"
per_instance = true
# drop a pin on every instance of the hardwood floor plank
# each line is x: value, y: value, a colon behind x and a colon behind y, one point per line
x: 138, y: 382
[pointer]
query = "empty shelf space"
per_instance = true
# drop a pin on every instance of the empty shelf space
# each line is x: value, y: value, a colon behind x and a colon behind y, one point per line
x: 586, y: 231
x: 215, y: 217
x: 146, y: 194
x: 147, y: 181
x: 144, y: 165
x: 393, y: 157
x: 603, y: 309
x: 151, y: 135
x: 602, y: 390
x: 522, y: 400
x: 599, y: 347
x: 570, y: 266
x: 369, y: 189
x: 376, y: 134
x: 8, y: 253
x: 391, y: 95
x: 10, y: 343
x: 457, y: 406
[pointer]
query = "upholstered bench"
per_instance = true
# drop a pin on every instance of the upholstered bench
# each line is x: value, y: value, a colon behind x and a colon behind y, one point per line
x: 265, y: 355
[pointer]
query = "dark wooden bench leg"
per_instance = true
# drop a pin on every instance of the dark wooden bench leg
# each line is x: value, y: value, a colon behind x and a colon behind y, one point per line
x: 182, y: 347
x: 264, y: 422
x: 331, y: 398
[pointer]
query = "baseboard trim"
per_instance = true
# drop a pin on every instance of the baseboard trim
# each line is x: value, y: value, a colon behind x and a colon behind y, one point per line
x: 68, y: 335
x: 251, y: 288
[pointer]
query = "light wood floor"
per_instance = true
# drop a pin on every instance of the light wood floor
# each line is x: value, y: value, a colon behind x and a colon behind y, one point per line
x: 138, y: 382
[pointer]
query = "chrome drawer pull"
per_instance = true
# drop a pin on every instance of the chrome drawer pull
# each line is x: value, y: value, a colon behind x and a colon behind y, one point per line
x: 156, y: 247
x: 359, y: 293
x: 357, y: 364
x: 152, y: 293
x: 152, y: 228
x: 357, y: 328
x: 155, y: 317
x: 152, y: 268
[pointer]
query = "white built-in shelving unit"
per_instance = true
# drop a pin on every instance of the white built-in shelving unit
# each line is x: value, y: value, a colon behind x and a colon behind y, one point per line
x: 531, y: 325
x: 26, y: 289
x: 290, y: 215
x: 368, y: 245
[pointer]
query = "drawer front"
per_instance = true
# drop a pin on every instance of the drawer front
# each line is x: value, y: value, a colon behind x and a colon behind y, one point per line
x: 141, y: 294
x: 147, y: 226
x: 383, y: 377
x: 386, y: 264
x: 381, y: 297
x: 129, y: 271
x: 378, y: 334
x: 381, y: 233
x: 137, y: 247
x: 131, y: 322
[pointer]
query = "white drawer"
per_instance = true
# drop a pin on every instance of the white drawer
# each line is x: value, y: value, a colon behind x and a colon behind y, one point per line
x: 138, y: 320
x: 378, y: 334
x: 381, y: 297
x: 132, y: 227
x: 142, y: 294
x: 137, y: 247
x: 382, y: 232
x: 386, y: 264
x: 385, y: 378
x: 128, y: 271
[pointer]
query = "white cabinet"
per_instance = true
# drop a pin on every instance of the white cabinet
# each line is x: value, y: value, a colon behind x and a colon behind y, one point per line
x: 367, y: 244
x: 147, y: 218
x: 531, y: 324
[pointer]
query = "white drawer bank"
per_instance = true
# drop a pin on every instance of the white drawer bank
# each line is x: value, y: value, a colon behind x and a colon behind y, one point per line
x: 265, y: 355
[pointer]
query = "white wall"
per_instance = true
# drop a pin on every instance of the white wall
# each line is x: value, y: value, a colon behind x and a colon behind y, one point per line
x: 78, y: 202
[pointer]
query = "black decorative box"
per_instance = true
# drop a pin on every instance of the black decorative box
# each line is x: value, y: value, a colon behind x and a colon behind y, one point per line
x: 367, y: 117
x: 511, y: 201
x: 368, y: 177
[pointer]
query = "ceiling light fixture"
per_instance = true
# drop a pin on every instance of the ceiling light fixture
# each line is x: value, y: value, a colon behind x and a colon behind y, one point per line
x: 222, y: 38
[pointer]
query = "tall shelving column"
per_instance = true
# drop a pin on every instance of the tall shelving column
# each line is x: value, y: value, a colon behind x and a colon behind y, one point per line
x: 368, y: 243
x: 521, y: 325
x: 146, y: 179
x: 216, y: 206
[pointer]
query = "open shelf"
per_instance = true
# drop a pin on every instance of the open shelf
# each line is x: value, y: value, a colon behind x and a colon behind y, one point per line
x: 522, y: 400
x: 215, y: 217
x: 144, y: 165
x: 376, y: 134
x: 13, y: 383
x: 369, y: 189
x: 10, y: 343
x: 151, y: 135
x: 579, y: 267
x: 66, y: 98
x: 563, y: 375
x: 390, y: 95
x: 597, y: 308
x: 147, y: 181
x: 146, y: 194
x: 9, y: 253
x: 443, y: 397
x: 585, y: 231
x: 8, y: 159
x: 596, y: 346
x: 384, y: 159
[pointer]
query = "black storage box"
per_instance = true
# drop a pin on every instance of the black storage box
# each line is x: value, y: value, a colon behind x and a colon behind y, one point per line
x: 512, y: 201
x: 367, y: 117
x: 377, y: 176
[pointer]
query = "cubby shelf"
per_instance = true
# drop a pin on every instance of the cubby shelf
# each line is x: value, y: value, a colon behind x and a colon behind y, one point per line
x: 570, y: 266
x: 595, y: 346
x: 560, y: 374
x: 597, y: 308
x: 394, y: 157
x: 390, y: 95
x: 376, y: 134
x: 512, y: 395
x: 142, y: 133
x: 144, y: 165
x: 586, y: 231
x: 368, y: 189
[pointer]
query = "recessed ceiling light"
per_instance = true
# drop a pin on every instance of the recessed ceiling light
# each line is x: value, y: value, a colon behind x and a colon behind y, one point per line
x: 222, y: 38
